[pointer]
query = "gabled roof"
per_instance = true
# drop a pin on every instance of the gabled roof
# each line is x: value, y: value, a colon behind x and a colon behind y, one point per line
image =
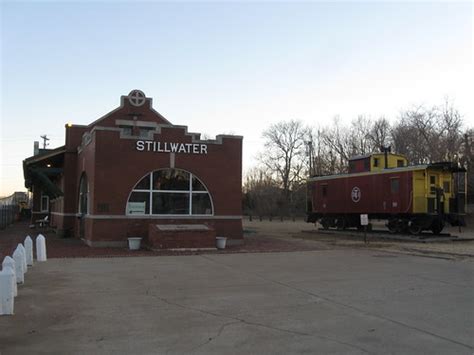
x: 148, y: 102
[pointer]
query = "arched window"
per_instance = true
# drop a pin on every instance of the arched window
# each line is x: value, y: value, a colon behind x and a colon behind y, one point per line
x: 83, y: 195
x: 170, y: 192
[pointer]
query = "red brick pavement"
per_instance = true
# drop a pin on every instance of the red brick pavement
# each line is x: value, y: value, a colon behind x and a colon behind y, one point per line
x: 75, y: 248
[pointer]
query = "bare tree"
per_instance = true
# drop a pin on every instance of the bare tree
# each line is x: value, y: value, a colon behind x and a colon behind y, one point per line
x: 379, y: 134
x: 337, y: 141
x: 360, y: 136
x: 429, y: 135
x: 260, y: 192
x: 466, y: 159
x: 450, y: 126
x: 285, y: 153
x: 325, y: 159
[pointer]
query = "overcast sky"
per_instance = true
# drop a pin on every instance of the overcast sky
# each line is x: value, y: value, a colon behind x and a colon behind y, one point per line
x: 225, y: 67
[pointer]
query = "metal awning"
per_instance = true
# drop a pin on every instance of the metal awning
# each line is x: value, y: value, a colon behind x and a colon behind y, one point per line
x: 40, y: 169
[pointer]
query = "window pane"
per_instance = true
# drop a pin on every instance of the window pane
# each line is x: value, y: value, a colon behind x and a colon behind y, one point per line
x: 83, y: 203
x: 126, y: 130
x: 446, y: 187
x: 170, y: 203
x: 399, y: 163
x: 139, y: 203
x: 197, y: 185
x: 44, y: 203
x: 144, y: 183
x: 202, y: 204
x: 367, y: 164
x: 394, y: 185
x: 144, y: 132
x: 171, y: 180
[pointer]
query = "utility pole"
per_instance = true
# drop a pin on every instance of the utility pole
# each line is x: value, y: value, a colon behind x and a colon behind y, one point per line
x: 45, y: 139
x: 309, y: 147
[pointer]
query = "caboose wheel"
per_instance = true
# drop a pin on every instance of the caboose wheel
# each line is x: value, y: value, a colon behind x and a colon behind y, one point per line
x: 437, y: 226
x: 325, y: 223
x: 341, y: 223
x: 414, y: 227
x: 392, y: 226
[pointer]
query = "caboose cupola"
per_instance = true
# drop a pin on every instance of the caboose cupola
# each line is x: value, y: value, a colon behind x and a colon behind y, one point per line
x: 376, y: 162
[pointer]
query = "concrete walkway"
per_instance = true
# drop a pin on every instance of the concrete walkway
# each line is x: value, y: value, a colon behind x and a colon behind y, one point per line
x: 314, y: 302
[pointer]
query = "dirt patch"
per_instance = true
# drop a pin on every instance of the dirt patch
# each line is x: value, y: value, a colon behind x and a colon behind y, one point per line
x: 461, y: 248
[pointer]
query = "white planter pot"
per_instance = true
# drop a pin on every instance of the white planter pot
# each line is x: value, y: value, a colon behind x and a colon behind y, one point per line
x: 134, y: 243
x: 220, y: 242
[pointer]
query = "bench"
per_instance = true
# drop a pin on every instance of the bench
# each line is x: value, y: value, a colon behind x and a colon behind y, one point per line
x: 44, y: 222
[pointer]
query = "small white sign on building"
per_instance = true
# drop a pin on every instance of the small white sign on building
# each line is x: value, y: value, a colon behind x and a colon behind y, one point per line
x: 136, y: 208
x: 364, y: 219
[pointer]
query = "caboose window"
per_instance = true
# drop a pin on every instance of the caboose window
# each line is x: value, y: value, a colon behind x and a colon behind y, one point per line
x: 432, y: 179
x: 399, y: 163
x: 446, y: 187
x: 376, y: 162
x: 324, y: 190
x: 367, y: 164
x: 394, y: 185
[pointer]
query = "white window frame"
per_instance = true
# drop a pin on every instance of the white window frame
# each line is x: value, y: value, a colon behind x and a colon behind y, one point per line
x: 189, y: 192
x: 41, y: 203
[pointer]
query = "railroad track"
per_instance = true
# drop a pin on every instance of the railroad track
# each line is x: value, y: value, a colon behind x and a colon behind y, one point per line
x: 385, y: 234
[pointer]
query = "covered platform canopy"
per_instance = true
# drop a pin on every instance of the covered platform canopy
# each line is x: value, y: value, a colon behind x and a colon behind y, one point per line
x: 42, y: 168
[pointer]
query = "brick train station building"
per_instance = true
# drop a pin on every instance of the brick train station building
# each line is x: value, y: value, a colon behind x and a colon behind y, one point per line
x: 131, y: 173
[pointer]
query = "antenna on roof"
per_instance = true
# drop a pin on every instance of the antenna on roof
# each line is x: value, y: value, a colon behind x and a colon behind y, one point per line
x: 45, y: 140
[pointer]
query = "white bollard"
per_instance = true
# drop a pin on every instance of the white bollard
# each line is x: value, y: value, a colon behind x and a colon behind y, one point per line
x: 29, y: 250
x: 23, y: 253
x: 8, y: 262
x: 41, y: 248
x: 19, y: 273
x: 7, y: 296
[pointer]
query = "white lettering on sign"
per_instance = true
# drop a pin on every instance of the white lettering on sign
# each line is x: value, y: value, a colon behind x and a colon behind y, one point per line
x: 170, y: 147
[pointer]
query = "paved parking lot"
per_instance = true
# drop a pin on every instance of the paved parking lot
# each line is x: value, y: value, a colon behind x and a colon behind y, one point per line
x: 317, y: 302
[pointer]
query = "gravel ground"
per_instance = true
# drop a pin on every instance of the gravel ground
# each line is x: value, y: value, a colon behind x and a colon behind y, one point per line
x: 461, y: 248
